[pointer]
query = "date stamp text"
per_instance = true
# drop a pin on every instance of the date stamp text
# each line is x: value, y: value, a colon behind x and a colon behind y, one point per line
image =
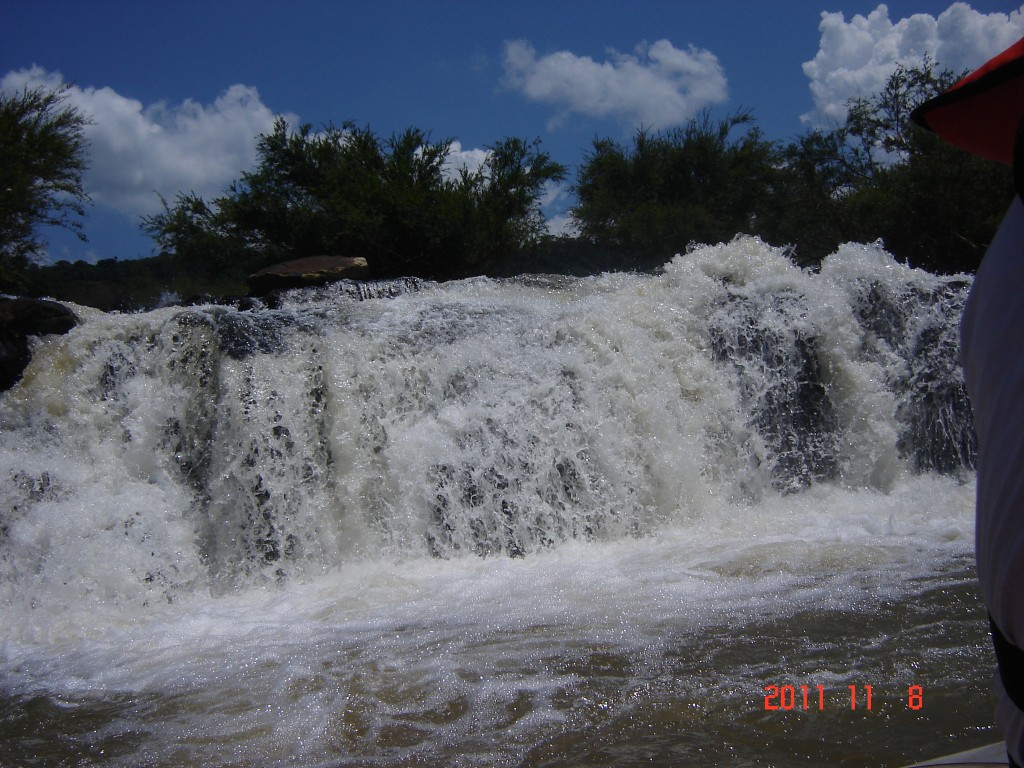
x: 815, y: 698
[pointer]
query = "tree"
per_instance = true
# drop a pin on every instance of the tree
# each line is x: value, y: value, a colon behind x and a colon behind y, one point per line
x: 691, y: 184
x: 504, y: 211
x: 42, y: 148
x: 803, y: 208
x: 346, y: 191
x: 934, y: 206
x: 879, y: 127
x: 879, y: 175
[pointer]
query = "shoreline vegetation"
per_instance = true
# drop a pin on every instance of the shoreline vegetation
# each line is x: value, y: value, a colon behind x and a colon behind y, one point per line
x: 395, y: 202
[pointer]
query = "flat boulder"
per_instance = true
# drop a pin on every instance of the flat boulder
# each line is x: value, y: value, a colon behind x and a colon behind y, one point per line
x: 21, y: 318
x: 301, y: 273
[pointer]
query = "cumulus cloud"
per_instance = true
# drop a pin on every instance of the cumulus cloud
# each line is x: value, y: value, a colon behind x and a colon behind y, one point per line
x: 460, y: 159
x: 137, y: 150
x: 856, y: 57
x: 562, y: 225
x: 656, y: 86
x: 555, y: 201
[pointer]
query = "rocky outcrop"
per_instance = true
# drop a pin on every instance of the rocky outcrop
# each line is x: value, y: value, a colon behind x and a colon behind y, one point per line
x: 301, y: 273
x: 19, y: 319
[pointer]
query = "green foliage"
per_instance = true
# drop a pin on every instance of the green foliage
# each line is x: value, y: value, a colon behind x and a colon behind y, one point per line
x: 880, y: 129
x: 347, y: 192
x: 42, y: 148
x: 666, y: 190
x: 877, y: 175
x: 502, y: 202
x: 108, y: 284
x: 196, y: 234
x: 934, y: 206
x: 809, y: 178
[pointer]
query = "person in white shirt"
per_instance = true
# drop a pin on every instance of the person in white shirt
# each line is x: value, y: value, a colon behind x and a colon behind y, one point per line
x: 984, y: 114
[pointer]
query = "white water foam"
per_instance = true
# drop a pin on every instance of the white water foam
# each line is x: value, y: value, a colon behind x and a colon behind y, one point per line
x: 407, y: 521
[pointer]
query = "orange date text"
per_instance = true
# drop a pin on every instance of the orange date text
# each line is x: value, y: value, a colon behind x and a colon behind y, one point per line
x: 808, y: 698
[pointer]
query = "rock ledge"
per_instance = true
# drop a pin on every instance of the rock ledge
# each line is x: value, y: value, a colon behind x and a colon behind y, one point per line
x: 301, y: 273
x: 19, y: 319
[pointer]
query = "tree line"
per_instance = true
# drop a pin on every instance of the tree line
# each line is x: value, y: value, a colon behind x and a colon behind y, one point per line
x: 875, y: 176
x: 398, y: 202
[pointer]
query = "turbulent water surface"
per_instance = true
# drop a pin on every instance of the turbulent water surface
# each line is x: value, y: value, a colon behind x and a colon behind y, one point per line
x: 536, y: 522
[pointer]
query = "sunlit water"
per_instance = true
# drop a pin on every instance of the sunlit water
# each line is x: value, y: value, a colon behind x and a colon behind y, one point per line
x: 541, y: 522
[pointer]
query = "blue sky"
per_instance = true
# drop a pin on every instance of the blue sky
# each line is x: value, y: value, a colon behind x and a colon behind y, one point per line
x: 178, y: 91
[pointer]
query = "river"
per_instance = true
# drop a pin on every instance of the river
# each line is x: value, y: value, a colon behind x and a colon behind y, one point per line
x: 718, y: 515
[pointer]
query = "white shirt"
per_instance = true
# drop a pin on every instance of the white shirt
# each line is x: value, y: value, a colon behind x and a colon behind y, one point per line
x: 992, y: 354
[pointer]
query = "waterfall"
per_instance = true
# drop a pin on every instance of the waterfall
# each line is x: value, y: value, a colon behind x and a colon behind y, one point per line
x: 466, y: 523
x: 208, y: 446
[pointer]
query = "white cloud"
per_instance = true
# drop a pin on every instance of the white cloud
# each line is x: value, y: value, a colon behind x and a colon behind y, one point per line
x: 137, y: 150
x: 555, y: 201
x: 555, y: 194
x: 657, y: 86
x: 562, y: 224
x: 856, y: 57
x: 459, y: 159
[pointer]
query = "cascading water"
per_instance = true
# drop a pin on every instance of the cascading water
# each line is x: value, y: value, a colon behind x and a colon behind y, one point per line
x: 544, y: 521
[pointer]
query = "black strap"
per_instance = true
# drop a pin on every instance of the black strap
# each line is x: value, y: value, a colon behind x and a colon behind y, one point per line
x: 1011, y: 665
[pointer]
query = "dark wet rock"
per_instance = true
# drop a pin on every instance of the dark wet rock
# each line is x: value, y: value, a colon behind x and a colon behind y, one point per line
x: 781, y: 384
x: 20, y: 319
x: 243, y: 334
x: 301, y: 273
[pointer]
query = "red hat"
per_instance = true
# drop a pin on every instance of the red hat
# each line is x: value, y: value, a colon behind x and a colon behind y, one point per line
x: 982, y: 112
